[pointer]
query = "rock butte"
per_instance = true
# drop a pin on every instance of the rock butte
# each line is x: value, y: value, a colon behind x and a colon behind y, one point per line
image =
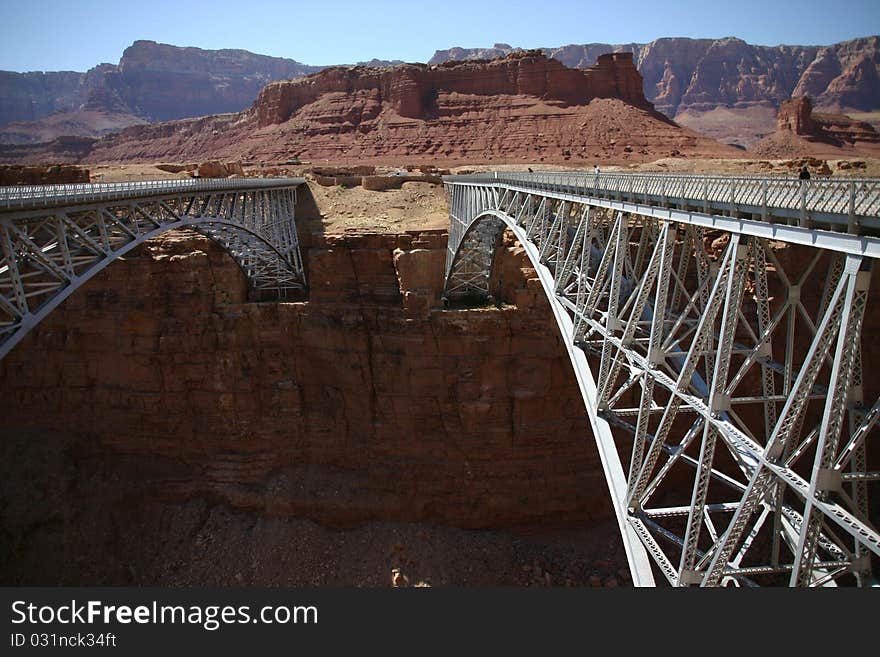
x: 800, y: 131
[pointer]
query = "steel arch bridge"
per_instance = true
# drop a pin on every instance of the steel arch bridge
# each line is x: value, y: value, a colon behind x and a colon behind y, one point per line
x: 53, y: 238
x: 715, y: 329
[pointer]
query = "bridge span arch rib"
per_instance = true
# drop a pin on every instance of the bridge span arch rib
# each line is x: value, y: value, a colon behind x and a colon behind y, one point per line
x: 54, y: 238
x: 720, y: 363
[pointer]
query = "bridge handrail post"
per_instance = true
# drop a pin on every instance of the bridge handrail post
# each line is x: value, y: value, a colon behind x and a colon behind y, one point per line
x: 851, y: 226
x: 733, y: 197
x: 803, y: 203
x: 764, y: 209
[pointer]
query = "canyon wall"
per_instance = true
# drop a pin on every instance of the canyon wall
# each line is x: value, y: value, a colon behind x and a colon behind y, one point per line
x: 366, y: 402
x: 153, y: 82
x: 684, y: 74
x: 523, y: 107
x: 37, y: 94
x: 162, y: 82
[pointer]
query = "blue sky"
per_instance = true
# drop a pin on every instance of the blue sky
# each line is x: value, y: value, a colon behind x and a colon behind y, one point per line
x: 78, y: 34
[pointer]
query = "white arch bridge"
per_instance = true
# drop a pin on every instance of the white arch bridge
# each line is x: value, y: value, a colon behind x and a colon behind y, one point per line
x: 53, y: 238
x: 715, y: 329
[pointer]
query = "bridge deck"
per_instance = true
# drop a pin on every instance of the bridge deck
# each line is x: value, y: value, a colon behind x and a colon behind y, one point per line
x: 847, y: 204
x: 44, y: 196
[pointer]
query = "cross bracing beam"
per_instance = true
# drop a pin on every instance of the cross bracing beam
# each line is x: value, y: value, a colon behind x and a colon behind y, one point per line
x: 53, y: 238
x: 719, y: 359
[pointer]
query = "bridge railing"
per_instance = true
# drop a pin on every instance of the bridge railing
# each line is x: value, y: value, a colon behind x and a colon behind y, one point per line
x: 37, y: 196
x: 850, y: 203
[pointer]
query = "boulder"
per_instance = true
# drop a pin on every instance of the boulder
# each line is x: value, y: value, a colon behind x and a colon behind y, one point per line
x: 234, y: 169
x: 212, y: 169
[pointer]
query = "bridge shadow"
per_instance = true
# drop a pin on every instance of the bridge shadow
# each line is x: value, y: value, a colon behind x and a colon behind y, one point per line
x: 309, y: 232
x: 309, y: 220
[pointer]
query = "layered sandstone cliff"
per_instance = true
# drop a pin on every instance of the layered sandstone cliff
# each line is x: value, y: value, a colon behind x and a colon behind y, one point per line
x: 152, y: 82
x: 524, y: 107
x: 414, y: 90
x: 700, y: 74
x: 35, y: 95
x: 162, y: 82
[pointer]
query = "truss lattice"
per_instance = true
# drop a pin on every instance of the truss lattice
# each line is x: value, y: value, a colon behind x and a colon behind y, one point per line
x: 53, y: 238
x: 717, y: 340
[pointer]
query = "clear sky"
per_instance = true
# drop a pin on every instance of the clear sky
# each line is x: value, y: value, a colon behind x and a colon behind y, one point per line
x: 78, y: 34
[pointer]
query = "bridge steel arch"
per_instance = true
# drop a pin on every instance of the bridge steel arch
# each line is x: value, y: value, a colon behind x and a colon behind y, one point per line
x: 54, y: 238
x: 727, y: 404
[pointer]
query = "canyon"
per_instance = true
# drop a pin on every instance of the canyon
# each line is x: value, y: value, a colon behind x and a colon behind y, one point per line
x: 161, y: 427
x: 160, y: 394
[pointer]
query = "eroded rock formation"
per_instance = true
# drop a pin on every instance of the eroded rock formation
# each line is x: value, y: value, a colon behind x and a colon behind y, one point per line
x: 152, y: 82
x: 802, y: 132
x: 414, y: 90
x: 524, y: 107
x: 700, y: 74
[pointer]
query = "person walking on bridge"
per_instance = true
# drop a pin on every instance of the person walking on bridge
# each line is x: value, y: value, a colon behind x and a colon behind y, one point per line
x: 805, y: 174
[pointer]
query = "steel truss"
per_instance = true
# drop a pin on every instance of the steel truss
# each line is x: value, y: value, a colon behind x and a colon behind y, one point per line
x: 727, y: 404
x: 56, y: 237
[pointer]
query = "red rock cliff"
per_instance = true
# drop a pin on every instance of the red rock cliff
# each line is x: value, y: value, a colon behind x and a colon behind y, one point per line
x: 522, y: 107
x: 412, y: 89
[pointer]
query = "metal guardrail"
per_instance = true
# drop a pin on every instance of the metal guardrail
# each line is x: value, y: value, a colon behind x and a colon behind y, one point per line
x: 41, y: 196
x: 852, y: 203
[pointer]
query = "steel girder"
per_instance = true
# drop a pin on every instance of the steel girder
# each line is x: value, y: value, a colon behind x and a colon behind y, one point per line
x: 727, y: 404
x: 55, y: 238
